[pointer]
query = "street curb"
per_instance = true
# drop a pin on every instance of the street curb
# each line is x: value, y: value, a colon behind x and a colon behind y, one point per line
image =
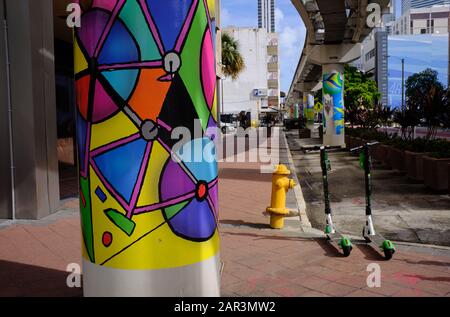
x: 301, y: 204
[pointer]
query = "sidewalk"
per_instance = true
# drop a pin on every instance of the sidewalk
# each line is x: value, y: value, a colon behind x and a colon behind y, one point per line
x: 258, y: 261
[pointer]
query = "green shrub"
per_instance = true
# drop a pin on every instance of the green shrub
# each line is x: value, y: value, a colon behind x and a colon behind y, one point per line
x: 439, y: 148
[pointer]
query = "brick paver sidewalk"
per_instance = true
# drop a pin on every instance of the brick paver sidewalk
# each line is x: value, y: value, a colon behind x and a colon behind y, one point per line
x: 257, y: 261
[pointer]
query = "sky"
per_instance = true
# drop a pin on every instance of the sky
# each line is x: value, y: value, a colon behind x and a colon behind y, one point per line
x: 244, y: 13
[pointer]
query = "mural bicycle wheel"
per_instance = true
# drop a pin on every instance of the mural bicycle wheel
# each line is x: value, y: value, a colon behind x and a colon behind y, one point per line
x: 142, y: 69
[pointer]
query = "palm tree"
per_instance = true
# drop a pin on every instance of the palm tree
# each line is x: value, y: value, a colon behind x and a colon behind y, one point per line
x: 232, y: 61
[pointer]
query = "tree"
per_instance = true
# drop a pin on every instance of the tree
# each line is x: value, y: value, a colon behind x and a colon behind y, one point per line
x: 427, y: 96
x: 361, y: 98
x: 232, y: 61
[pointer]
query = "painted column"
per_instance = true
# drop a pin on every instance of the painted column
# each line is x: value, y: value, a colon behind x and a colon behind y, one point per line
x: 308, y: 103
x: 333, y: 105
x: 148, y: 211
x: 296, y: 113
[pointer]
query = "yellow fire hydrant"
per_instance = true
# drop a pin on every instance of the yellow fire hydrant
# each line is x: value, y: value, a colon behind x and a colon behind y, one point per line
x: 280, y: 186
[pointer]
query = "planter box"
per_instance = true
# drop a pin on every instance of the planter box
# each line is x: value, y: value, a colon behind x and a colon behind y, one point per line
x: 396, y: 158
x: 384, y: 155
x: 304, y: 133
x: 435, y: 172
x: 379, y: 153
x: 414, y: 165
x: 357, y: 142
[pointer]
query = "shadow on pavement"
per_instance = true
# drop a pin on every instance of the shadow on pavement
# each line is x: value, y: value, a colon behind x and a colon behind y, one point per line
x: 22, y: 280
x: 242, y: 223
x: 433, y: 263
x: 330, y: 250
x: 433, y: 279
x: 370, y: 253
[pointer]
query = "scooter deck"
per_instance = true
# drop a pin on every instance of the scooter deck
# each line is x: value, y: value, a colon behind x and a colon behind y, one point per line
x: 377, y: 242
x: 340, y: 242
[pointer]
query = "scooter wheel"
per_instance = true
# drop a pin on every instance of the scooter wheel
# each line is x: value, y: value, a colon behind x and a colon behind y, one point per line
x: 347, y: 250
x: 388, y: 253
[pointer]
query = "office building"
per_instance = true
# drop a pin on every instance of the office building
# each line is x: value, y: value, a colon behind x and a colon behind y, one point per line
x: 266, y: 15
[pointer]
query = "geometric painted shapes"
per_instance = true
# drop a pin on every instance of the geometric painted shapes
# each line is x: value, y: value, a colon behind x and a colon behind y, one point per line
x: 149, y: 130
x: 213, y: 194
x: 178, y: 109
x: 196, y: 221
x: 149, y: 86
x: 119, y: 46
x: 82, y: 141
x: 82, y: 86
x: 80, y: 63
x: 86, y: 217
x: 212, y: 131
x: 131, y: 14
x: 106, y: 132
x: 169, y: 28
x: 172, y: 62
x: 107, y: 238
x: 100, y: 194
x: 172, y: 211
x: 103, y: 106
x: 120, y: 167
x: 199, y: 157
x: 92, y: 25
x: 190, y: 70
x: 149, y: 194
x: 174, y: 174
x: 122, y: 81
x: 208, y: 69
x: 121, y: 221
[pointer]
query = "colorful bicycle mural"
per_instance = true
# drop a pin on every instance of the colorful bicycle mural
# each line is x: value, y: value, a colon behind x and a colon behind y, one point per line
x: 143, y: 68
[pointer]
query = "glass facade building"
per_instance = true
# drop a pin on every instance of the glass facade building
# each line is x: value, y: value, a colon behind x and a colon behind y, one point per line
x: 419, y: 52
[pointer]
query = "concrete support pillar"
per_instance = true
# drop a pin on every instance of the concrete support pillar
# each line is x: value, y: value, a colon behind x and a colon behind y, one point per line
x: 333, y: 103
x: 32, y: 88
x: 148, y: 203
x: 308, y: 104
x: 5, y: 163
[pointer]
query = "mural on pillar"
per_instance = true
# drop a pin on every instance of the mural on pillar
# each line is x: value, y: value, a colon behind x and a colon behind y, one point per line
x: 308, y: 100
x: 143, y: 68
x: 333, y: 85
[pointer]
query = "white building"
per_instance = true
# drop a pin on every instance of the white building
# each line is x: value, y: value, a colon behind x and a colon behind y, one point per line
x: 257, y: 87
x: 414, y: 4
x: 431, y: 20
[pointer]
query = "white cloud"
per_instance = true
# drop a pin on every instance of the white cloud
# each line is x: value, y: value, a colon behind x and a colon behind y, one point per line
x: 279, y: 17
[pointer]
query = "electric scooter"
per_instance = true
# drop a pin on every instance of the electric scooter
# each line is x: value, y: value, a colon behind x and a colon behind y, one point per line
x: 333, y: 235
x: 376, y: 240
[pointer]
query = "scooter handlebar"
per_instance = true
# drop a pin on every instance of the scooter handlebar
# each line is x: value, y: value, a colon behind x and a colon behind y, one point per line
x: 359, y: 148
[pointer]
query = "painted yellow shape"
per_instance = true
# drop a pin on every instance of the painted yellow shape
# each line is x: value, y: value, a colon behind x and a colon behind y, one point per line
x: 101, y: 223
x: 212, y: 8
x: 116, y: 128
x: 162, y: 249
x: 150, y: 192
x: 80, y: 62
x: 214, y: 108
